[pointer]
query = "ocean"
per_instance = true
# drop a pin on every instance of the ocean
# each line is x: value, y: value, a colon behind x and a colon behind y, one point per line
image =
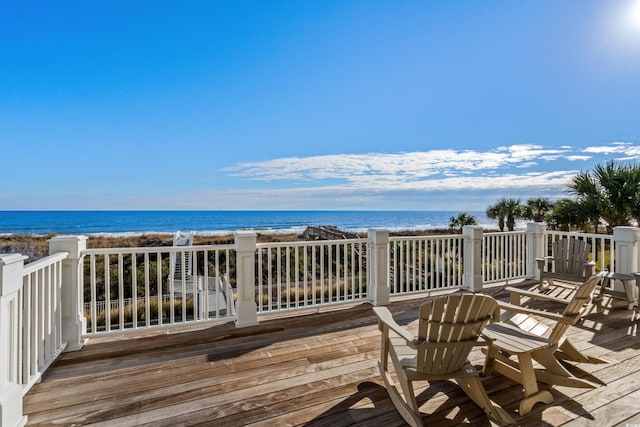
x: 221, y: 222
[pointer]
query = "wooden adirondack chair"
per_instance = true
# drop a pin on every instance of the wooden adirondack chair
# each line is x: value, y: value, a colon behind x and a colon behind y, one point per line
x: 575, y: 307
x: 570, y: 262
x: 449, y: 327
x: 523, y: 336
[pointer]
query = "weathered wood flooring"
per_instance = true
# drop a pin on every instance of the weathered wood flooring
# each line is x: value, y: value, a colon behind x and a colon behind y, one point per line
x: 314, y: 370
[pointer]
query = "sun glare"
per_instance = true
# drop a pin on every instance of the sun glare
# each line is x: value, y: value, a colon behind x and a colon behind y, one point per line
x: 621, y: 35
x: 634, y: 15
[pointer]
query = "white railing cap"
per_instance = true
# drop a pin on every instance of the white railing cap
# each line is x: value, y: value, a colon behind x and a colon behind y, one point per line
x: 11, y: 267
x: 6, y: 259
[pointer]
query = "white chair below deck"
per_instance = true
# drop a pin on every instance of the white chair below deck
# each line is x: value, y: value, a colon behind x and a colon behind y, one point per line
x: 214, y: 294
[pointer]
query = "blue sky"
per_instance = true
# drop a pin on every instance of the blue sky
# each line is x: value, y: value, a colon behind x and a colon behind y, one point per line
x: 376, y: 105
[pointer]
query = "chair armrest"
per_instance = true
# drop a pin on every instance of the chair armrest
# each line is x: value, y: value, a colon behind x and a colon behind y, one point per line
x: 588, y: 268
x: 526, y: 310
x: 385, y: 317
x: 572, y: 286
x: 535, y: 295
x: 542, y: 261
x: 484, y: 340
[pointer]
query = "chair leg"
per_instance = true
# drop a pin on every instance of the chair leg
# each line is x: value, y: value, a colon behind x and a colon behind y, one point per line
x: 490, y: 354
x: 532, y: 394
x: 554, y: 373
x: 554, y: 379
x: 567, y: 351
x: 522, y: 372
x: 470, y: 383
x: 406, y: 405
x: 405, y: 410
x: 545, y: 357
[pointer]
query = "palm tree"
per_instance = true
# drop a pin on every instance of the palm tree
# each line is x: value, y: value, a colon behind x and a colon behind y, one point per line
x: 461, y: 220
x: 537, y: 208
x: 505, y: 209
x: 611, y: 193
x: 513, y: 209
x: 567, y: 215
x: 497, y: 212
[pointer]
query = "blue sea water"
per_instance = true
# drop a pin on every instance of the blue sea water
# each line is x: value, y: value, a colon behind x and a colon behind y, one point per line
x: 220, y: 222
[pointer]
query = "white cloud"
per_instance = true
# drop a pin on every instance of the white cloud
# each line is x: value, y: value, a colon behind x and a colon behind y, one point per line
x: 437, y: 179
x: 399, y: 166
x: 614, y: 147
x: 626, y: 151
x: 527, y: 165
x: 373, y: 177
x: 451, y: 171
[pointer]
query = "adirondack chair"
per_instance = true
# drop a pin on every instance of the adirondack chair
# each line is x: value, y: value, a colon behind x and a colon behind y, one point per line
x: 570, y: 262
x: 449, y: 327
x: 522, y: 335
x: 575, y: 307
x: 181, y: 261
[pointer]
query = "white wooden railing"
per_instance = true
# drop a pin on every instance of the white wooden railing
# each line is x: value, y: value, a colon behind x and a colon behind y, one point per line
x: 118, y: 300
x: 30, y: 327
x: 419, y: 264
x: 40, y: 342
x: 504, y: 256
x: 298, y: 275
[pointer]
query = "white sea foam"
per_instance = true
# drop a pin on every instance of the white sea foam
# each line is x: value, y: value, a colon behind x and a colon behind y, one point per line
x: 217, y: 223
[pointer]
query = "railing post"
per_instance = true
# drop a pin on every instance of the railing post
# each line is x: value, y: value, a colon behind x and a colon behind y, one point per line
x: 246, y: 309
x: 378, y: 266
x: 536, y: 247
x: 74, y: 324
x: 11, y: 273
x: 626, y: 250
x: 472, y: 241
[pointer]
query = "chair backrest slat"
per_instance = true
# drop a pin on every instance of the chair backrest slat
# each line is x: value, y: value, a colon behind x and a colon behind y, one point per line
x: 576, y: 307
x: 457, y: 319
x: 570, y: 255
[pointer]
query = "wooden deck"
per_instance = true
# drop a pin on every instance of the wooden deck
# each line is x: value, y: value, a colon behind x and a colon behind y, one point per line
x: 314, y: 370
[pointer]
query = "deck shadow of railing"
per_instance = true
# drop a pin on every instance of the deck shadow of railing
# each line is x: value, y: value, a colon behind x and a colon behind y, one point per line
x: 614, y: 327
x: 222, y: 340
x: 271, y: 331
